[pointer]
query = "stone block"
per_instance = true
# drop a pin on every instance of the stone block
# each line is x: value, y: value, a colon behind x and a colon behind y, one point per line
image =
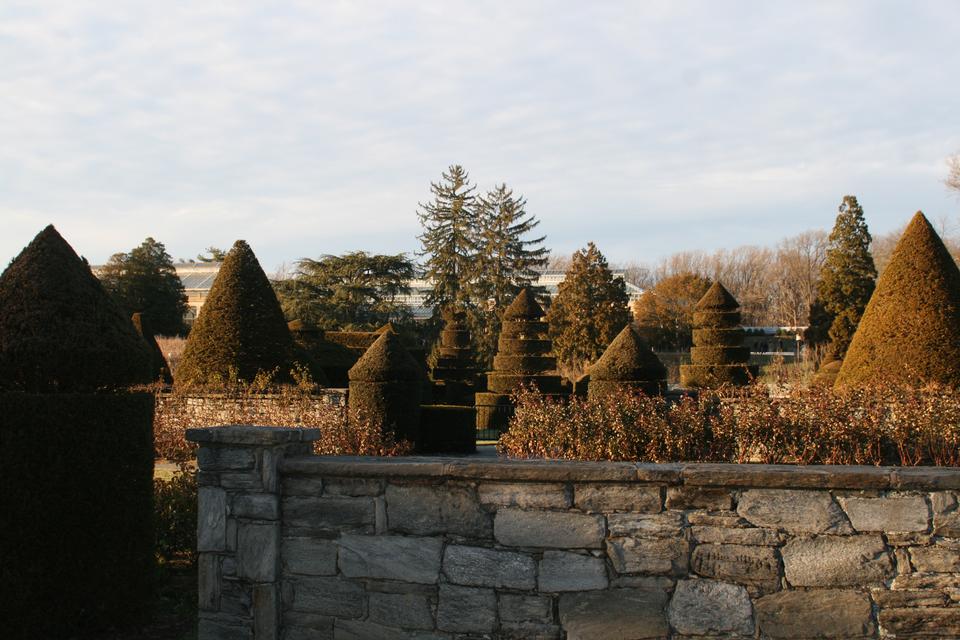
x: 258, y: 506
x: 890, y: 513
x: 548, y: 529
x: 482, y: 567
x: 746, y: 565
x: 390, y: 558
x: 943, y: 557
x: 658, y: 556
x: 223, y: 628
x: 208, y: 582
x: 926, y: 622
x: 737, y: 535
x: 794, y: 511
x: 367, y: 630
x: 466, y: 609
x: 306, y: 626
x: 696, y: 497
x: 596, y: 497
x: 660, y: 525
x: 707, y: 607
x: 940, y: 581
x: 516, y: 607
x: 423, y: 509
x: 526, y: 495
x: 822, y: 613
x: 211, y: 519
x: 528, y: 631
x: 909, y: 598
x: 406, y: 610
x: 309, y: 556
x: 565, y: 571
x: 325, y: 596
x: 617, y: 614
x: 241, y: 481
x: 226, y: 458
x: 303, y: 486
x: 236, y: 599
x: 266, y: 612
x: 257, y: 548
x: 728, y: 519
x: 946, y: 514
x: 307, y: 513
x: 354, y: 487
x: 833, y: 561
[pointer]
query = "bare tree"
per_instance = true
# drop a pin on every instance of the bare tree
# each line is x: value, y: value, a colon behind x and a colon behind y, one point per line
x: 953, y: 174
x: 795, y: 274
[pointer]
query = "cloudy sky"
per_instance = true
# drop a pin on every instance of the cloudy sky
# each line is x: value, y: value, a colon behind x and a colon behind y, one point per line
x: 315, y: 127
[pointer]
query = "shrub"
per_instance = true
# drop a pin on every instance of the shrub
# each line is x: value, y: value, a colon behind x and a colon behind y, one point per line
x: 879, y: 425
x: 910, y: 330
x: 628, y: 364
x: 718, y: 357
x: 240, y: 331
x: 385, y: 387
x: 334, y: 359
x: 175, y: 516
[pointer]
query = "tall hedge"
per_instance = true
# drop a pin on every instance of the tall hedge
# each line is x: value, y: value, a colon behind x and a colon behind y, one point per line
x: 627, y: 364
x: 76, y: 450
x: 385, y: 388
x: 240, y: 331
x: 59, y: 329
x: 718, y: 356
x: 910, y: 330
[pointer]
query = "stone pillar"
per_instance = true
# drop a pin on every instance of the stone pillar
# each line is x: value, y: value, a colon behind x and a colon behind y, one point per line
x: 238, y: 527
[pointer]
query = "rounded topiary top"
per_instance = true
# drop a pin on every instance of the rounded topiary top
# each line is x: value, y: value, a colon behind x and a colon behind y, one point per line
x: 59, y: 328
x: 386, y: 361
x: 628, y: 357
x: 910, y: 330
x: 241, y: 330
x: 160, y: 368
x: 717, y: 309
x: 523, y: 307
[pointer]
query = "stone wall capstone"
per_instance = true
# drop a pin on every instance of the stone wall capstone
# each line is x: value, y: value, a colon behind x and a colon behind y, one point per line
x: 455, y: 548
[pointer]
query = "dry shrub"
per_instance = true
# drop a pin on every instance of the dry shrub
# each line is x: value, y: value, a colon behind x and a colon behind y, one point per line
x: 259, y: 403
x: 873, y: 426
x: 172, y: 348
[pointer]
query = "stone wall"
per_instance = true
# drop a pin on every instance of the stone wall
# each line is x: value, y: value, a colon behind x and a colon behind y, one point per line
x: 296, y: 546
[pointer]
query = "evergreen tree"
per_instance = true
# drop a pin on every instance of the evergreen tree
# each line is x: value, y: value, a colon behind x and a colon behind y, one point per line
x: 449, y: 239
x: 847, y: 277
x: 144, y: 281
x: 507, y: 261
x: 213, y: 254
x: 589, y: 310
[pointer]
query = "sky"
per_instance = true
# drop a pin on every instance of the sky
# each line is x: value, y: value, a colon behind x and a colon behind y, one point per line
x: 311, y: 128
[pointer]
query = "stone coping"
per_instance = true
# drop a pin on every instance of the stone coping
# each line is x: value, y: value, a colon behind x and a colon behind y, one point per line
x: 695, y: 474
x: 250, y: 435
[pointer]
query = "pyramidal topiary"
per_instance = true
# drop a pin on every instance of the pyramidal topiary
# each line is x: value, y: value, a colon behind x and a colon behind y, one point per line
x: 160, y: 370
x: 240, y: 331
x: 523, y: 358
x: 385, y: 388
x: 454, y: 372
x: 910, y: 330
x: 627, y: 364
x: 59, y: 329
x: 718, y: 356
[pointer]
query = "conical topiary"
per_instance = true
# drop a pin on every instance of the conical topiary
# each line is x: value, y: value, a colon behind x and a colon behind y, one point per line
x: 385, y: 388
x: 333, y: 359
x: 160, y: 370
x: 910, y: 330
x: 240, y: 331
x: 523, y: 358
x: 628, y: 364
x: 59, y: 329
x: 454, y: 372
x: 718, y: 356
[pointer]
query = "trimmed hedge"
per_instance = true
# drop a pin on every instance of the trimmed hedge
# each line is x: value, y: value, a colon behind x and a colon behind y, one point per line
x: 240, y: 332
x: 910, y: 330
x: 59, y: 329
x: 333, y: 359
x: 716, y: 317
x: 77, y: 534
x: 447, y: 429
x: 385, y: 388
x: 627, y: 364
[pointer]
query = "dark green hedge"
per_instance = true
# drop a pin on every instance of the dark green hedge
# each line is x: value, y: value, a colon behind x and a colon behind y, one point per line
x: 447, y: 429
x: 76, y: 472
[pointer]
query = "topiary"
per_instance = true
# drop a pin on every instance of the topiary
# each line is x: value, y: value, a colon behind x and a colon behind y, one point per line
x: 160, y: 370
x: 333, y: 359
x: 59, y: 329
x: 453, y: 372
x: 910, y: 330
x: 718, y: 356
x: 385, y: 388
x: 523, y: 358
x: 627, y: 364
x: 240, y: 331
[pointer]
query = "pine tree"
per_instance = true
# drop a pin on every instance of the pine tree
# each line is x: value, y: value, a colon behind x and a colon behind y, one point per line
x: 589, y: 310
x: 507, y: 261
x: 145, y: 281
x: 848, y: 276
x: 449, y: 239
